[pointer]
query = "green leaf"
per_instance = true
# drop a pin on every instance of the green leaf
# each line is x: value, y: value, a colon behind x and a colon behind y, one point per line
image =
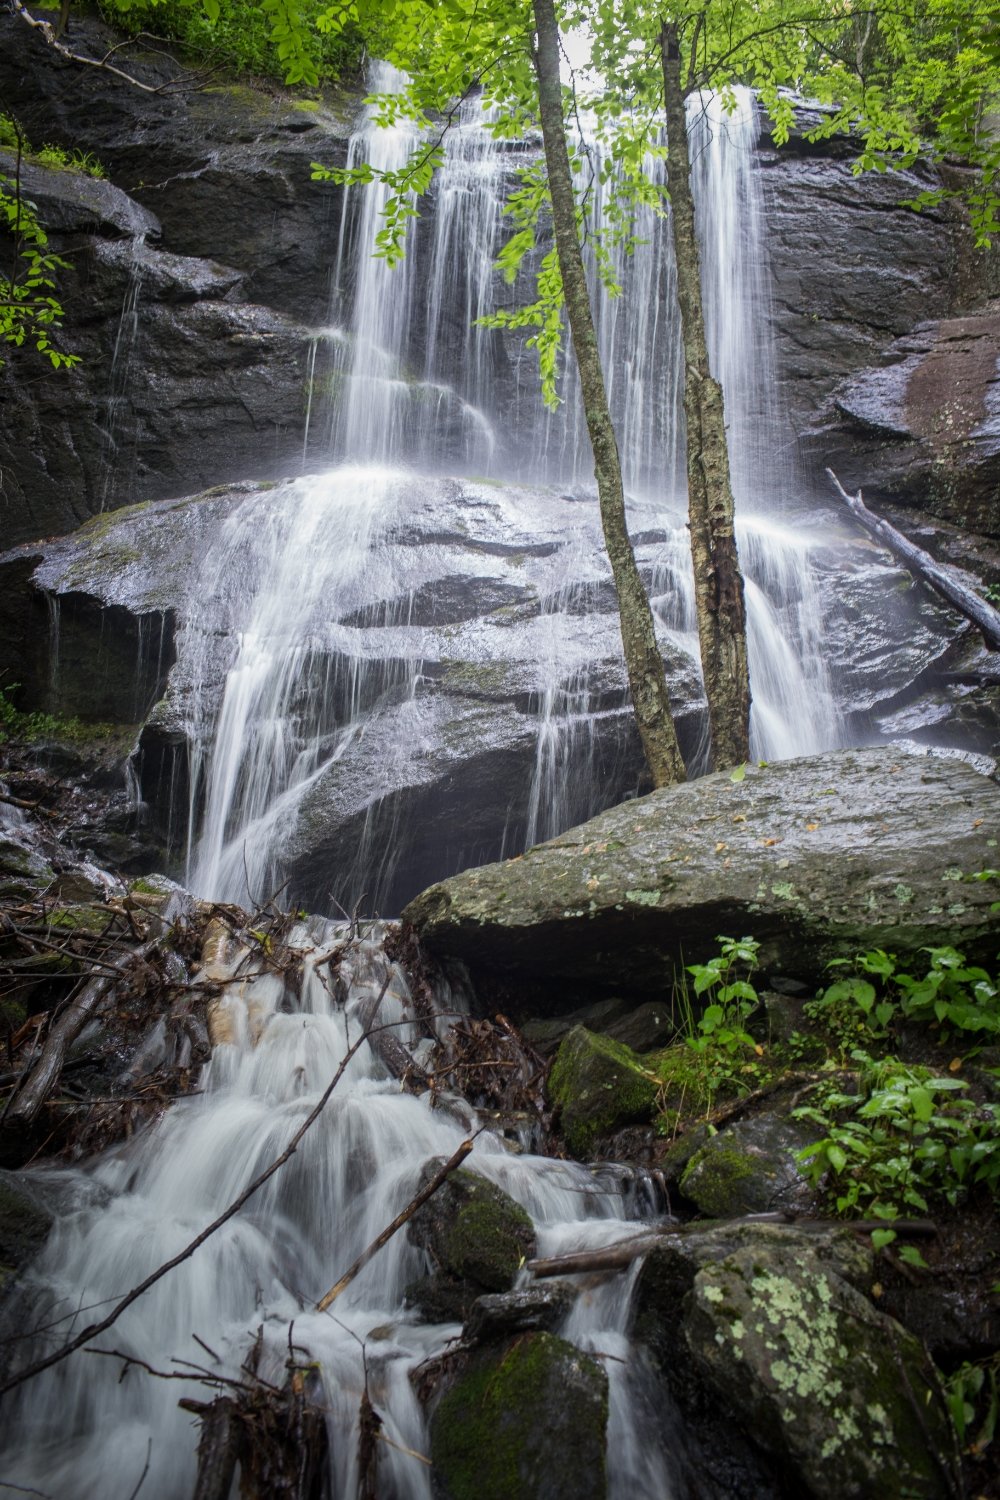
x: 911, y: 1255
x: 738, y: 773
x: 882, y: 1237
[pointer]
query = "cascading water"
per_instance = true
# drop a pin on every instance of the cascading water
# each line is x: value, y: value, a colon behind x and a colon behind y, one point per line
x: 85, y: 1429
x: 291, y: 584
x: 410, y: 377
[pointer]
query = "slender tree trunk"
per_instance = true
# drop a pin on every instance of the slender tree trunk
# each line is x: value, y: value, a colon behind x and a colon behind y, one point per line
x: 718, y: 582
x: 642, y: 655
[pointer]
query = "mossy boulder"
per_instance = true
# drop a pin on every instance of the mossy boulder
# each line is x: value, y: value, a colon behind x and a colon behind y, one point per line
x: 597, y: 1085
x: 749, y: 1168
x: 477, y: 1238
x: 839, y: 1396
x: 525, y: 1424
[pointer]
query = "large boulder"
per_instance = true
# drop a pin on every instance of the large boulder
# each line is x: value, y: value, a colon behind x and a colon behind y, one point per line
x: 477, y: 1238
x: 835, y: 1392
x: 816, y: 858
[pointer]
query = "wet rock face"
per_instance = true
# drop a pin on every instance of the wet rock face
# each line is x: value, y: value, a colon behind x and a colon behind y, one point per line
x: 830, y: 1388
x: 527, y: 1424
x: 817, y: 858
x: 927, y: 420
x: 187, y: 282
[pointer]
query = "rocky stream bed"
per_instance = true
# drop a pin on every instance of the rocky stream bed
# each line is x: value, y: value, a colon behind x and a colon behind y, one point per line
x: 786, y: 1350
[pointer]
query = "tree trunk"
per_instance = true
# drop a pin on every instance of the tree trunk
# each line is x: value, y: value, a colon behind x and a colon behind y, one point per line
x: 643, y: 661
x: 718, y: 582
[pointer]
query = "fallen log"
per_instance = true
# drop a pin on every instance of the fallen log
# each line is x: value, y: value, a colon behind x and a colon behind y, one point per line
x: 218, y: 1446
x: 622, y: 1253
x: 942, y: 579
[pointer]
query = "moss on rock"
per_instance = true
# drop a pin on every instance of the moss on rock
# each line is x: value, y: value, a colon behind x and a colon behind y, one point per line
x: 475, y: 1233
x: 527, y: 1424
x: 597, y: 1085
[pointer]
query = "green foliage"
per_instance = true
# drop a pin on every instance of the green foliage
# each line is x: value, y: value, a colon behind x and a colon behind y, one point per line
x: 868, y: 1003
x: 18, y: 728
x: 718, y: 1054
x: 974, y: 1403
x: 905, y: 1140
x: 56, y: 159
x: 279, y: 39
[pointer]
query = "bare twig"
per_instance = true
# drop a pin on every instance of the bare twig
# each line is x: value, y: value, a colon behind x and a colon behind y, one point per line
x: 91, y: 1332
x: 397, y: 1223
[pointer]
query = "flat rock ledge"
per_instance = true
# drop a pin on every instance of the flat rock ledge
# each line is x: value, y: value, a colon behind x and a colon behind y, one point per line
x: 817, y: 858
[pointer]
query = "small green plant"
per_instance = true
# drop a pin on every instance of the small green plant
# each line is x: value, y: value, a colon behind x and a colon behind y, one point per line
x: 725, y: 979
x: 54, y: 157
x: 904, y: 1140
x: 952, y: 995
x: 974, y: 1401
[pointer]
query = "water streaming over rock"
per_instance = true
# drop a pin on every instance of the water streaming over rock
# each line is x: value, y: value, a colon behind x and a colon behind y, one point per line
x: 321, y: 617
x: 86, y: 1429
x: 404, y: 374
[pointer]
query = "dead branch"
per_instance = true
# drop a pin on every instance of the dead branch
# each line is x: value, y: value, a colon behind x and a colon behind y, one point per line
x: 94, y: 1329
x: 45, y: 1074
x: 48, y: 32
x: 623, y: 1252
x: 945, y: 582
x: 397, y: 1223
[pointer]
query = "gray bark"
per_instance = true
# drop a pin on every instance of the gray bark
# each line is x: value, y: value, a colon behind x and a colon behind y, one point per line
x: 643, y: 662
x: 718, y: 581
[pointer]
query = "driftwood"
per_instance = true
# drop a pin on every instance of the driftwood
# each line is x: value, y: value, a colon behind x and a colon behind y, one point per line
x: 945, y: 582
x: 45, y: 1074
x: 623, y: 1252
x: 218, y: 1447
x: 397, y: 1223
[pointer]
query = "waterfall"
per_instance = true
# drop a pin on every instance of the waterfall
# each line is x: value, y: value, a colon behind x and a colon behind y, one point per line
x: 402, y: 374
x: 87, y: 1427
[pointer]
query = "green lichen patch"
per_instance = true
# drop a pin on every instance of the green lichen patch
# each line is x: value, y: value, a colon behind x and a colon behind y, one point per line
x: 597, y: 1085
x: 825, y: 1383
x: 528, y: 1424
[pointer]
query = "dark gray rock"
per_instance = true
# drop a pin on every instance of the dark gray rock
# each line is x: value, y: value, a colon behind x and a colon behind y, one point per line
x: 25, y: 1221
x: 532, y: 1309
x: 817, y: 858
x: 750, y: 1168
x: 529, y: 1421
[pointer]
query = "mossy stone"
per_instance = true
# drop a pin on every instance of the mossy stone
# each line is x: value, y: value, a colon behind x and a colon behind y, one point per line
x: 525, y: 1424
x: 475, y: 1232
x: 749, y: 1168
x: 597, y: 1085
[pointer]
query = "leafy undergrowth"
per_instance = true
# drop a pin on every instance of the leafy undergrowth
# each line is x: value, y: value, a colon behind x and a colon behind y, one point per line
x: 897, y: 1067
